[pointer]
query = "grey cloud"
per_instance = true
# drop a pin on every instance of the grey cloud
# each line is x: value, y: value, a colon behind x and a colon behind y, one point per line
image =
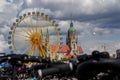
x: 100, y: 16
x: 101, y: 12
x: 4, y: 45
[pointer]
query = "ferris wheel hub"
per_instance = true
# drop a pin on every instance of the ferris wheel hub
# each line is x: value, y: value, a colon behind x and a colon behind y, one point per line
x: 36, y: 38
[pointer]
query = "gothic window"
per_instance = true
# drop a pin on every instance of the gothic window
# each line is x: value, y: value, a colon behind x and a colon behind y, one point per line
x: 74, y: 46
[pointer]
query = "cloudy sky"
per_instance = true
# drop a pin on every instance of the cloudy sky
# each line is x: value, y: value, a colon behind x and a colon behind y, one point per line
x: 97, y: 21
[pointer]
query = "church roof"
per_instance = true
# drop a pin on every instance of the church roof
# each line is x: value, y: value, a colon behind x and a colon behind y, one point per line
x: 63, y: 49
x: 71, y: 29
x: 80, y: 49
x: 54, y: 48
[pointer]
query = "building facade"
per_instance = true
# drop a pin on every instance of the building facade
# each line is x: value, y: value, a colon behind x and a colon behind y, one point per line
x: 72, y: 40
x: 71, y: 48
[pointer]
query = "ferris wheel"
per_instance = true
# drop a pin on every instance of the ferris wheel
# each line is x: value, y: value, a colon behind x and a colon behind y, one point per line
x: 33, y: 34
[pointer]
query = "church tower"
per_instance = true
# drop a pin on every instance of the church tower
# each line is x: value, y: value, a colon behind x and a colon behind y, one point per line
x: 47, y: 38
x: 71, y: 39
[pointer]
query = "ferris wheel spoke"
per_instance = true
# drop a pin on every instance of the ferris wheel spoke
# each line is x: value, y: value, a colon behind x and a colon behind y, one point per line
x: 41, y: 25
x: 26, y: 49
x: 36, y: 23
x: 40, y: 46
x: 32, y: 50
x: 26, y: 31
x: 41, y: 51
x: 21, y: 46
x: 18, y: 34
x: 27, y: 26
x: 22, y: 41
x: 32, y: 23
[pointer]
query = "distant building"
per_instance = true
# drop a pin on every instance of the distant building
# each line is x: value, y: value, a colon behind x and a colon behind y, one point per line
x: 118, y: 53
x: 71, y: 48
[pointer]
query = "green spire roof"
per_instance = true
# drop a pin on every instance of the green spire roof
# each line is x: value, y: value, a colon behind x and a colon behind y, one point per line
x: 47, y: 34
x: 71, y: 29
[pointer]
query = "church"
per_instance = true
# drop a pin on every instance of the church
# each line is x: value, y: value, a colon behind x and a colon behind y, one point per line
x: 71, y: 48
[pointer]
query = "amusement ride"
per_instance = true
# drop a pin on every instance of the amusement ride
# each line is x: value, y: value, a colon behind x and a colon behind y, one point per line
x: 33, y: 34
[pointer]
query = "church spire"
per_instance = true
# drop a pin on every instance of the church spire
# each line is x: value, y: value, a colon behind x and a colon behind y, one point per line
x: 72, y: 39
x: 47, y: 34
x: 71, y: 29
x: 71, y: 24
